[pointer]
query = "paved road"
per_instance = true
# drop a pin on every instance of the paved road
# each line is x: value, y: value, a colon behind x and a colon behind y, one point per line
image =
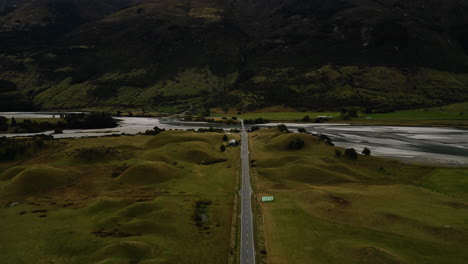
x: 247, y: 254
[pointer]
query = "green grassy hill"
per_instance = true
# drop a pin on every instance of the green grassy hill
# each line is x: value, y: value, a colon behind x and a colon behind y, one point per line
x: 330, y: 209
x: 129, y: 207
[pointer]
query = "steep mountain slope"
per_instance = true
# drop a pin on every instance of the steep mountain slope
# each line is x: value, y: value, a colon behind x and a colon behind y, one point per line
x: 385, y: 54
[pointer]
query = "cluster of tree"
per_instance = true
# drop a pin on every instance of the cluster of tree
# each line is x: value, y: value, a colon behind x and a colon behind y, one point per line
x: 254, y: 128
x: 70, y: 121
x: 90, y: 121
x: 256, y: 121
x: 155, y: 131
x: 11, y: 149
x: 4, y: 123
x: 211, y: 129
x: 315, y: 120
x: 352, y: 154
x: 326, y: 139
x: 283, y: 128
x: 347, y: 114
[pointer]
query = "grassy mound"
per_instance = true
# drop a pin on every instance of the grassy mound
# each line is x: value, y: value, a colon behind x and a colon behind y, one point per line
x: 156, y: 155
x: 10, y: 173
x: 306, y: 173
x: 39, y: 179
x: 279, y: 162
x: 135, y: 220
x: 282, y: 142
x: 198, y: 152
x: 370, y: 254
x: 132, y: 251
x: 150, y: 172
x: 95, y: 154
x: 179, y: 136
x: 197, y: 156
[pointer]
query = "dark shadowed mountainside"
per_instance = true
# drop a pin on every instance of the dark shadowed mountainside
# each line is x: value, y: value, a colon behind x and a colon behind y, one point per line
x: 160, y: 54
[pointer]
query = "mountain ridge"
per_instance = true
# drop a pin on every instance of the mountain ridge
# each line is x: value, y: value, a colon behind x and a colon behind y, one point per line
x: 167, y: 53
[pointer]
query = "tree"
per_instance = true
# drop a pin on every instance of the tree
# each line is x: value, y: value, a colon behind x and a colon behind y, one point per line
x: 13, y: 122
x: 254, y: 128
x: 283, y: 128
x: 302, y: 130
x: 351, y: 154
x: 225, y: 138
x: 225, y: 108
x: 222, y: 148
x: 353, y: 113
x: 3, y: 123
x: 366, y: 152
x: 306, y: 119
x: 119, y: 113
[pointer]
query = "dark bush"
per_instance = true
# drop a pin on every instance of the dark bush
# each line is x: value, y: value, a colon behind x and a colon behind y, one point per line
x: 326, y: 139
x: 3, y: 123
x: 225, y: 138
x: 254, y: 128
x: 302, y: 130
x: 338, y: 153
x: 305, y: 119
x: 351, y: 154
x: 222, y: 148
x: 366, y: 152
x: 90, y: 121
x: 155, y: 131
x: 283, y: 128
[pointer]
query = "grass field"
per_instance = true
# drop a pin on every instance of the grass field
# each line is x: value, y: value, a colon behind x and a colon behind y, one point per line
x: 449, y: 112
x: 140, y: 199
x: 329, y: 209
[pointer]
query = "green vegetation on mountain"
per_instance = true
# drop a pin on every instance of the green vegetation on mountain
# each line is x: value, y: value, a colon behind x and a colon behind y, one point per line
x: 164, y: 55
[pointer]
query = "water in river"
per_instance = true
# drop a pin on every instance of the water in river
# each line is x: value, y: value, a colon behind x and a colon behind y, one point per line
x: 447, y: 146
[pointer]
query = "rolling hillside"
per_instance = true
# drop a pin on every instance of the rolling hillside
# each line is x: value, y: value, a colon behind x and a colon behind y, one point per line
x: 162, y: 55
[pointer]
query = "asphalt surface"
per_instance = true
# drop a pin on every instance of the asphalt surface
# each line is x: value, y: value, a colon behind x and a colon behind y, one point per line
x: 247, y: 253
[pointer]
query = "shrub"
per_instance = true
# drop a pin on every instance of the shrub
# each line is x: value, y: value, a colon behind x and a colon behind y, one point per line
x: 326, y: 139
x: 302, y: 130
x: 254, y: 128
x: 222, y: 148
x: 13, y: 122
x: 156, y: 131
x: 366, y: 152
x: 306, y: 119
x: 338, y: 153
x: 3, y: 123
x: 283, y: 128
x: 225, y: 138
x: 351, y: 154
